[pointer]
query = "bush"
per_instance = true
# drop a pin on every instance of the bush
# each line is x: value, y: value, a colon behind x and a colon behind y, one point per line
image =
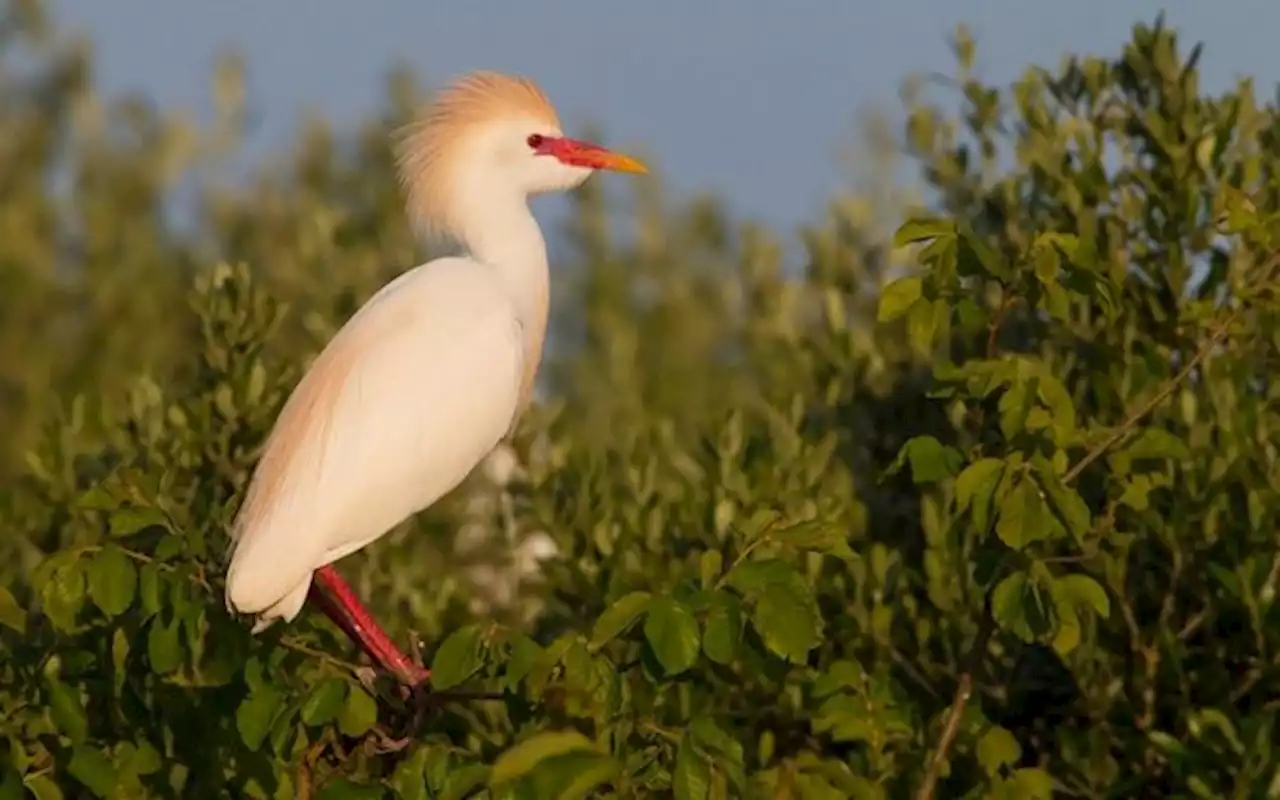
x: 983, y: 510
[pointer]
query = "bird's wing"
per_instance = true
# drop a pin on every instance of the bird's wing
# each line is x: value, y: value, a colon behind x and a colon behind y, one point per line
x: 409, y: 396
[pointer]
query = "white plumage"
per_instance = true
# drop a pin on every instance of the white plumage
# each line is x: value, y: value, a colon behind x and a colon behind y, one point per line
x: 430, y: 374
x: 417, y: 388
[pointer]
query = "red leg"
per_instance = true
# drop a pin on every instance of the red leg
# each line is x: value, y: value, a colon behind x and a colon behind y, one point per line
x: 345, y: 609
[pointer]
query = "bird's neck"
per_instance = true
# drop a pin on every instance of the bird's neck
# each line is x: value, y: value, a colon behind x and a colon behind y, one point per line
x: 504, y: 236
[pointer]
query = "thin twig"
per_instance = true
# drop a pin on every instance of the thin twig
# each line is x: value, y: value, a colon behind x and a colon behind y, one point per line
x: 1126, y: 427
x: 964, y: 686
x: 964, y: 689
x: 299, y: 647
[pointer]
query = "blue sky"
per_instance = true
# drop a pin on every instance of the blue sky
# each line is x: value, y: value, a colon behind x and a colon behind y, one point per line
x: 747, y: 98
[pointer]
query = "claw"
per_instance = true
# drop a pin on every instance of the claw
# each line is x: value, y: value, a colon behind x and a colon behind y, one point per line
x: 368, y: 678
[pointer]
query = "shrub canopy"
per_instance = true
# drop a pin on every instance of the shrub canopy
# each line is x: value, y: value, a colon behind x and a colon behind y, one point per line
x: 984, y: 507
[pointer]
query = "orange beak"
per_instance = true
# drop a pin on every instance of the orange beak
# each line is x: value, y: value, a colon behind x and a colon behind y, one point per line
x: 577, y: 153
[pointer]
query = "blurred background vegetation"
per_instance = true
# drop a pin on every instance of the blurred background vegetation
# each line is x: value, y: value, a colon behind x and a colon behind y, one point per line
x: 1104, y: 226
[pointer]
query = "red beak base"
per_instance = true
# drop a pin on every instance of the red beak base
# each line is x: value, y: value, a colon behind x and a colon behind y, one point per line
x: 577, y: 153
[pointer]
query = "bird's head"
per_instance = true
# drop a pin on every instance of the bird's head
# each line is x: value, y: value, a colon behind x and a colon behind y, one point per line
x: 489, y: 139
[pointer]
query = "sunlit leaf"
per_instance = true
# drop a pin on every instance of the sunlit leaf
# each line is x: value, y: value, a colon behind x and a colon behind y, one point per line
x: 692, y: 777
x: 723, y: 630
x: 1084, y: 591
x: 359, y: 713
x: 324, y: 701
x: 917, y: 229
x: 11, y: 614
x: 256, y: 714
x: 458, y: 657
x: 618, y: 618
x: 897, y: 298
x: 672, y: 633
x: 93, y: 769
x: 996, y: 748
x: 128, y: 521
x: 787, y: 620
x: 525, y: 756
x: 113, y: 581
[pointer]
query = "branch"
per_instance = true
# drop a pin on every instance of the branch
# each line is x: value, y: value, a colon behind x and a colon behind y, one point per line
x: 1215, y: 338
x: 964, y: 686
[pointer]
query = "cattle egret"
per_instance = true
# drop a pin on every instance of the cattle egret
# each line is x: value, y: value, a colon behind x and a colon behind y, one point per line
x: 429, y: 375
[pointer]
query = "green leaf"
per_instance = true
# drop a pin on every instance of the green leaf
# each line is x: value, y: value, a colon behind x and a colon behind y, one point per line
x: 359, y: 712
x: 163, y: 649
x: 710, y: 563
x: 128, y: 521
x: 1067, y: 637
x: 526, y: 755
x: 256, y: 714
x: 996, y: 748
x: 1006, y: 600
x: 146, y: 759
x: 977, y: 256
x: 62, y: 595
x: 723, y: 629
x: 618, y: 618
x: 93, y: 769
x: 463, y: 781
x: 692, y: 777
x: 96, y: 498
x: 1137, y: 492
x: 113, y: 580
x: 922, y: 325
x: 1063, y: 411
x: 974, y: 487
x: 68, y: 711
x: 572, y: 776
x: 752, y: 577
x: 919, y: 229
x: 11, y: 614
x: 1022, y: 515
x: 1082, y: 590
x: 786, y: 618
x: 725, y: 751
x: 1014, y: 406
x: 43, y: 787
x: 324, y: 702
x: 345, y: 789
x: 458, y: 657
x: 408, y: 780
x: 672, y: 633
x: 1020, y: 607
x: 897, y: 298
x: 816, y: 535
x: 1033, y: 784
x: 120, y: 658
x: 1205, y: 719
x: 930, y: 460
x: 1066, y: 501
x: 525, y: 653
x: 1156, y: 443
x: 11, y: 783
x: 149, y: 589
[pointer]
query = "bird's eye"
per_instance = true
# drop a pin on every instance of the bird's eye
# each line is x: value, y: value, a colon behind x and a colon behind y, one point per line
x: 534, y: 141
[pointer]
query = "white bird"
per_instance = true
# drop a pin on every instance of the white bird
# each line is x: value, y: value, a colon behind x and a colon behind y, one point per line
x: 429, y: 375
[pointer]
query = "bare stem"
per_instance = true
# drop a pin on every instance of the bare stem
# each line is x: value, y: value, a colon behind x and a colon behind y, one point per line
x: 964, y: 689
x: 1170, y: 386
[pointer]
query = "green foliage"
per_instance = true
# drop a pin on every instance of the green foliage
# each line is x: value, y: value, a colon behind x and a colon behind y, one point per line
x: 980, y: 508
